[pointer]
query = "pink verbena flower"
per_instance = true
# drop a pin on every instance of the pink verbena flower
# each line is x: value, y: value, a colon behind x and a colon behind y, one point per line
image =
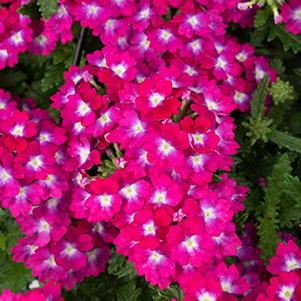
x: 288, y: 258
x: 291, y: 14
x: 104, y: 201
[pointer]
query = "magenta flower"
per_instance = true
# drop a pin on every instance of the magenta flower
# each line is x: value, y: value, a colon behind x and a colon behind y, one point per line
x: 71, y: 252
x: 104, y: 201
x: 190, y: 243
x: 291, y: 14
x: 288, y: 258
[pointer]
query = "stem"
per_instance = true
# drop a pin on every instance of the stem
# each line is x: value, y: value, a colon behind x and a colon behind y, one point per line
x: 79, y: 47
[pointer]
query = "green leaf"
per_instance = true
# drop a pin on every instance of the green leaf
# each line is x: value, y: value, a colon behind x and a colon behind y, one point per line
x: 259, y: 96
x: 129, y: 292
x: 269, y: 222
x: 47, y: 7
x: 120, y: 267
x: 14, y: 276
x: 261, y: 17
x: 2, y: 241
x: 53, y: 77
x: 292, y: 188
x: 288, y: 40
x: 63, y: 54
x: 286, y: 140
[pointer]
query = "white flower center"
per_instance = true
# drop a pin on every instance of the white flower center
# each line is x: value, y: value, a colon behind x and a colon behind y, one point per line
x: 144, y: 14
x: 211, y: 105
x: 239, y: 97
x: 165, y: 148
x: 83, y: 109
x: 241, y: 57
x: 3, y: 53
x: 78, y: 127
x: 165, y: 35
x: 160, y: 197
x: 51, y: 261
x: 221, y: 63
x: 84, y: 154
x: 17, y: 38
x: 259, y: 74
x: 44, y: 226
x: 44, y: 137
x: 4, y: 175
x: 197, y: 161
x: 18, y: 130
x: 138, y: 128
x: 226, y: 286
x: 149, y: 229
x: 206, y: 297
x: 105, y: 200
x: 292, y: 264
x: 104, y: 119
x: 286, y: 293
x: 190, y: 244
x: 196, y: 45
x: 190, y: 71
x: 130, y: 191
x: 193, y: 21
x: 92, y: 9
x: 156, y: 257
x: 208, y: 213
x: 198, y: 138
x: 156, y: 99
x: 69, y: 250
x: 119, y: 70
x: 36, y: 162
x: 52, y: 202
x: 297, y: 14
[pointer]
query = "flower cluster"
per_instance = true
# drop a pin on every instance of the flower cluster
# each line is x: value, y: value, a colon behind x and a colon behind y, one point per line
x: 144, y: 127
x: 36, y: 181
x: 49, y: 292
x: 291, y: 14
x: 286, y: 265
x: 15, y: 33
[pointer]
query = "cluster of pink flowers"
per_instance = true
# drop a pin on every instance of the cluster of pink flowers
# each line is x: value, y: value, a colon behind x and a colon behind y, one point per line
x: 36, y: 180
x: 291, y: 15
x: 15, y: 33
x: 281, y: 279
x: 144, y: 127
x: 49, y: 292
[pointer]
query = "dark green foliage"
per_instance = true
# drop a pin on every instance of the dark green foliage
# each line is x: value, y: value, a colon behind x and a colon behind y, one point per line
x: 47, y: 7
x: 121, y: 283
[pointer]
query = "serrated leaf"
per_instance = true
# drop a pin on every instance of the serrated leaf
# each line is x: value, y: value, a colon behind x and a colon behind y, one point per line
x: 292, y: 188
x: 63, y: 54
x: 14, y: 276
x: 258, y: 36
x: 288, y: 40
x: 286, y: 140
x: 53, y: 78
x: 261, y: 17
x: 120, y: 267
x: 259, y: 96
x: 129, y: 292
x: 269, y: 222
x: 47, y: 7
x: 2, y: 241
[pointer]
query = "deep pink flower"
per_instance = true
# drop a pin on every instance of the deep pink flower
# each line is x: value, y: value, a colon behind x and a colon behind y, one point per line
x: 288, y: 258
x: 190, y: 243
x: 104, y: 201
x: 291, y: 14
x: 71, y: 252
x: 155, y: 100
